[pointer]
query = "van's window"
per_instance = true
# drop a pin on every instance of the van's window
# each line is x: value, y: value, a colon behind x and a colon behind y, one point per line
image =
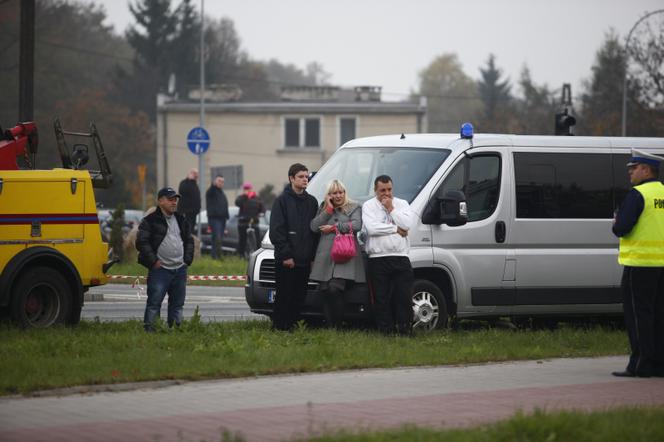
x: 478, y: 177
x: 563, y: 185
x: 409, y: 168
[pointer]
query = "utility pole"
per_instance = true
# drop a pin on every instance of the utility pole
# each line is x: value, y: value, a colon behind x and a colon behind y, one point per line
x: 201, y: 171
x: 26, y: 69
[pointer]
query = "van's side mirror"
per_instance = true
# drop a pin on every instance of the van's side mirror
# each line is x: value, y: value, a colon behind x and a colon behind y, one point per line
x: 453, y: 208
x: 449, y: 209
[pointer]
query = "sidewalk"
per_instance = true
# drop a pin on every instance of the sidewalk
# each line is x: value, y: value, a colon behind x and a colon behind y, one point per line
x: 279, y: 407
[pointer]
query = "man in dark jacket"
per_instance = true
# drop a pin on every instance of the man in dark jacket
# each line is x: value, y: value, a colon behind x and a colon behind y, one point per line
x: 217, y: 213
x: 251, y: 208
x: 294, y: 246
x: 165, y: 246
x: 190, y: 197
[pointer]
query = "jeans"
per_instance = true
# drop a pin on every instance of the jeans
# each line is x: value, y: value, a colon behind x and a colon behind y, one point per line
x: 160, y: 282
x: 218, y: 226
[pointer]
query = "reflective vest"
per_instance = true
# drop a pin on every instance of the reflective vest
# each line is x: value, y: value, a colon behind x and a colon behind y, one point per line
x: 644, y: 245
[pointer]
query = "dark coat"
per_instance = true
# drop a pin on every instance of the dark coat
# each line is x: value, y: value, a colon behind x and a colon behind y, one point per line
x: 289, y: 227
x: 250, y: 208
x: 153, y: 230
x: 216, y: 203
x: 190, y: 196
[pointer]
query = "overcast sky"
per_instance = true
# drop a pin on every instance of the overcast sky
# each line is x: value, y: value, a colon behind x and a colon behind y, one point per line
x: 387, y: 42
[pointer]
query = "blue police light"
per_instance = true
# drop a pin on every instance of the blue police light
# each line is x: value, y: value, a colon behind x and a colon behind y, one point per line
x: 467, y: 131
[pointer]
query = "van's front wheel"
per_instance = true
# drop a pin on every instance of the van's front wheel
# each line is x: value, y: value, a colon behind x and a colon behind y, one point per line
x: 429, y: 306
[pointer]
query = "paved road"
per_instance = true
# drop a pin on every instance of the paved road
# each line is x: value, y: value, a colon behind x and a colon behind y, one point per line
x: 119, y: 302
x: 275, y: 408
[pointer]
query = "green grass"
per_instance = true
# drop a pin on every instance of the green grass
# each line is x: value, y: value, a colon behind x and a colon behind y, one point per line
x: 102, y: 353
x: 230, y: 265
x: 644, y: 424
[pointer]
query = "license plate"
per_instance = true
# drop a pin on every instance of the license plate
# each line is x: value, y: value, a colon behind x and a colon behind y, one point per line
x: 271, y: 296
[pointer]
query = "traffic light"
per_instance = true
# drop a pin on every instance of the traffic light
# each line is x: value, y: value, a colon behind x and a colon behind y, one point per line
x: 564, y: 123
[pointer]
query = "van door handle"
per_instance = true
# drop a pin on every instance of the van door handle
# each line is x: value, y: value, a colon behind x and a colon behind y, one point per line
x: 500, y: 231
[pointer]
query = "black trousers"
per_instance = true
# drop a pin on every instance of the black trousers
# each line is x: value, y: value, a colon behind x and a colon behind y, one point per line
x: 291, y: 291
x: 191, y: 219
x: 643, y: 304
x: 392, y: 280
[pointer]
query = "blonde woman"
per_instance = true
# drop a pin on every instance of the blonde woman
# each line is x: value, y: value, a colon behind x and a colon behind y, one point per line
x: 337, y: 212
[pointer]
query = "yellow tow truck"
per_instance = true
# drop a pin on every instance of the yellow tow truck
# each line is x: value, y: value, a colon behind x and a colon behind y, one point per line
x: 51, y: 250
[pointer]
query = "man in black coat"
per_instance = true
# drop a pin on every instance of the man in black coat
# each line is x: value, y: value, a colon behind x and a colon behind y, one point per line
x: 217, y: 213
x: 190, y: 197
x: 294, y: 246
x: 165, y: 246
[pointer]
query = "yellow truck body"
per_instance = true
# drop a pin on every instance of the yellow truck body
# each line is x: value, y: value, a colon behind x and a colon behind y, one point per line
x: 51, y: 250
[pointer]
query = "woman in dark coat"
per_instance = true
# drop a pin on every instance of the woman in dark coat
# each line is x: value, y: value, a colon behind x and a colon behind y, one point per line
x: 336, y: 212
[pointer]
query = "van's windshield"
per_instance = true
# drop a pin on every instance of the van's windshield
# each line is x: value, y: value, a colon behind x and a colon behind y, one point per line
x: 409, y: 168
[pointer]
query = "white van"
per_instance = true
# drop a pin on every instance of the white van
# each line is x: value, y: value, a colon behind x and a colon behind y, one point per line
x: 535, y: 240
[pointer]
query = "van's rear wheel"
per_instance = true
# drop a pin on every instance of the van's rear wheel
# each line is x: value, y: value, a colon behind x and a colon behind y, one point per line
x: 41, y: 298
x: 429, y: 306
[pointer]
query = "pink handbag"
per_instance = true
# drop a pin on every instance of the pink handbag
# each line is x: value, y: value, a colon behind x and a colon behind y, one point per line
x: 343, y: 247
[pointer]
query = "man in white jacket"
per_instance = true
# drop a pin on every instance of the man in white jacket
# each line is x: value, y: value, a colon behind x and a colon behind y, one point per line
x: 387, y: 221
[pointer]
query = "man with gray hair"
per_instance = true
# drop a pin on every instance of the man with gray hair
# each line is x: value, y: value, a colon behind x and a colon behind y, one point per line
x: 165, y: 246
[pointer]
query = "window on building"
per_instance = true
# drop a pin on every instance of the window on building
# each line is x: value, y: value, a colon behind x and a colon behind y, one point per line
x: 312, y: 132
x: 292, y: 132
x: 302, y: 132
x: 346, y: 130
x: 563, y: 185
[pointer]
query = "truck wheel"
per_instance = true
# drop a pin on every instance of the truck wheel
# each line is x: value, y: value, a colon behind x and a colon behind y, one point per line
x: 429, y: 306
x: 41, y: 298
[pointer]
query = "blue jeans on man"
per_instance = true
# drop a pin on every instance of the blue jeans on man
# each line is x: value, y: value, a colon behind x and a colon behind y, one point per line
x: 218, y: 226
x: 160, y: 282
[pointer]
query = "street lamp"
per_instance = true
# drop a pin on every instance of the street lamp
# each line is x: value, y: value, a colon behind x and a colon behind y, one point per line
x: 624, y: 99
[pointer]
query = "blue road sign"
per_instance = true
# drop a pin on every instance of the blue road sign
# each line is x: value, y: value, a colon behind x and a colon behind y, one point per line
x: 198, y: 140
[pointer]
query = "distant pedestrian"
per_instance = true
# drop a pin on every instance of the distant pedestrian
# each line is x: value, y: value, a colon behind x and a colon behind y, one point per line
x: 337, y: 214
x: 190, y: 203
x: 294, y: 246
x: 165, y: 246
x: 217, y: 213
x: 387, y: 221
x: 640, y: 225
x: 251, y: 209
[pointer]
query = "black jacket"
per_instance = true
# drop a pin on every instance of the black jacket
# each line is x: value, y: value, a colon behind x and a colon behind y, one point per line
x: 250, y: 208
x: 152, y: 231
x: 216, y: 203
x: 289, y: 227
x: 190, y: 196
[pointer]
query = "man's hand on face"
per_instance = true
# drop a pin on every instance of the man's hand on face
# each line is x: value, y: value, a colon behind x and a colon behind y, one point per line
x: 387, y: 203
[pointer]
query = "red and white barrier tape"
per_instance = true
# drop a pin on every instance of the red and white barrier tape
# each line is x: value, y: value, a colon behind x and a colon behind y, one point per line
x: 190, y: 277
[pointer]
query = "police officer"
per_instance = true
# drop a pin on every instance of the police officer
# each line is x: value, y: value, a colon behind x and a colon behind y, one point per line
x: 640, y: 225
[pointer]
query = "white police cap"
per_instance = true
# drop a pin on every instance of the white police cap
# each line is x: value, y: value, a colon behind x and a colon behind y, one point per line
x: 641, y: 157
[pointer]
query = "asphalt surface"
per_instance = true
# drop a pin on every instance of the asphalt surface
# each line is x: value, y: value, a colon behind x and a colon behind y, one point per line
x: 120, y: 302
x: 274, y: 408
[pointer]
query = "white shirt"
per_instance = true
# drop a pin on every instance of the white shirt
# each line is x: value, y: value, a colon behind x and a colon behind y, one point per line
x: 381, y: 227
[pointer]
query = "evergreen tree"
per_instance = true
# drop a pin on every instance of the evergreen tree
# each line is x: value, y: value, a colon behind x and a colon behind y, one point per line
x: 496, y: 98
x: 537, y: 108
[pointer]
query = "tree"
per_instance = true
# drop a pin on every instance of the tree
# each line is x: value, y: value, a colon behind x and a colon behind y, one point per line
x: 451, y: 95
x: 537, y: 107
x: 152, y: 39
x: 186, y: 48
x: 647, y: 51
x: 496, y: 115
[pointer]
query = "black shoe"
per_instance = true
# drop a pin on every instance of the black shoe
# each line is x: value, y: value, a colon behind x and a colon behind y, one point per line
x: 624, y: 374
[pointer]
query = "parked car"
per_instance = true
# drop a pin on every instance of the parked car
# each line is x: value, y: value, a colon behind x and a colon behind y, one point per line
x: 131, y: 218
x: 231, y: 237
